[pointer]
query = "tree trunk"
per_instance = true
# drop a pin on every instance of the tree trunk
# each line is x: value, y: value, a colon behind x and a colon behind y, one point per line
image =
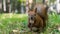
x: 19, y: 6
x: 7, y: 7
x: 13, y: 5
x: 27, y: 6
x: 2, y: 6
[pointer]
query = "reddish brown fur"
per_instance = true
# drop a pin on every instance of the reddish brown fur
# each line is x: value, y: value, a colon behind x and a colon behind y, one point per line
x: 43, y: 13
x: 41, y: 18
x: 38, y: 23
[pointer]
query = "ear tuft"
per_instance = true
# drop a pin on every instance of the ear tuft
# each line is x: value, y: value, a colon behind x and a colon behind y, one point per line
x: 35, y: 10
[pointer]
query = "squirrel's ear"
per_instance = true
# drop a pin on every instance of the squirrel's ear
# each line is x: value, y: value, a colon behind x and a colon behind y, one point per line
x: 47, y: 8
x: 35, y: 10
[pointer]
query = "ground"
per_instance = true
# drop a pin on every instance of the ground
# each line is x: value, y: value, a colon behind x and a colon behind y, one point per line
x: 18, y: 22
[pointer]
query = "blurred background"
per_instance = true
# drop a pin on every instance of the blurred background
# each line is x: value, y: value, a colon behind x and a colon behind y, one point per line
x: 14, y: 16
x: 21, y: 6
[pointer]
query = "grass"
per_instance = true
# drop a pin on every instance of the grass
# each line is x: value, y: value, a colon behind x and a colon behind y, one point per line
x: 53, y: 23
x: 9, y: 22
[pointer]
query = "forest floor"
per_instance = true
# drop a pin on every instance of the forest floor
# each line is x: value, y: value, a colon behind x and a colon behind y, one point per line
x: 10, y: 23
